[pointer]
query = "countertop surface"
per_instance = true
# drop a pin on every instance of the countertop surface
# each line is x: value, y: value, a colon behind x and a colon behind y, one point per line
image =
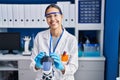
x: 14, y: 57
x: 92, y: 58
x: 21, y: 57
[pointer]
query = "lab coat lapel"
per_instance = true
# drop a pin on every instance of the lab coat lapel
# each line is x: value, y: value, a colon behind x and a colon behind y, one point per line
x: 62, y: 41
x: 46, y: 37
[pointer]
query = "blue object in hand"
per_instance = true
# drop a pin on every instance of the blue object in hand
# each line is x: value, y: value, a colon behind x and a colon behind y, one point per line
x: 57, y: 61
x: 38, y: 59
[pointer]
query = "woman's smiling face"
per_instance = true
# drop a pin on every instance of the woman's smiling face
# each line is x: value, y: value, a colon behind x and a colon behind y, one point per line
x: 54, y: 18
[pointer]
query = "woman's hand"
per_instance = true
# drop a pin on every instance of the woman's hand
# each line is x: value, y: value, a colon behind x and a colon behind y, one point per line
x: 57, y: 61
x: 38, y: 60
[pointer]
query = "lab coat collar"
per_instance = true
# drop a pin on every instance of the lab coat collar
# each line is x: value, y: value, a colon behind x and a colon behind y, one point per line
x: 46, y: 36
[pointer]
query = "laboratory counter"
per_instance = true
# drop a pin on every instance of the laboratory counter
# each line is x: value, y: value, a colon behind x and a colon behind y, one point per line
x: 14, y: 57
x: 21, y: 57
x: 92, y: 66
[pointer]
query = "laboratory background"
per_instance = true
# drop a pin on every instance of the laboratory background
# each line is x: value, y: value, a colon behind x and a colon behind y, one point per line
x: 95, y: 23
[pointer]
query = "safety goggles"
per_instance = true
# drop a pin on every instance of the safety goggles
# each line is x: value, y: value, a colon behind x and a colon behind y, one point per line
x: 48, y: 14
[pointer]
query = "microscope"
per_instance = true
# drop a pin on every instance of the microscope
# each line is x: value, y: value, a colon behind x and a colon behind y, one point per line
x: 48, y: 73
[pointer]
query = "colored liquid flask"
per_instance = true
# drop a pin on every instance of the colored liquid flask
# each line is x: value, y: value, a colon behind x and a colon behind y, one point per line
x: 64, y: 57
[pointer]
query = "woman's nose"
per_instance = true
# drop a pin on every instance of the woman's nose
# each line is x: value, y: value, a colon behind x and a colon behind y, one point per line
x: 52, y: 17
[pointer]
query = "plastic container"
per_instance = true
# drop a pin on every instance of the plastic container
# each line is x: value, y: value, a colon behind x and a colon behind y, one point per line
x: 87, y: 45
x: 91, y: 54
x: 97, y: 47
x: 91, y: 50
x: 91, y: 47
x: 80, y: 50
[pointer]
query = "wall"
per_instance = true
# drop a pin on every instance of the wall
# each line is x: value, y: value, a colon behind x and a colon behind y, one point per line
x: 112, y: 23
x: 32, y: 33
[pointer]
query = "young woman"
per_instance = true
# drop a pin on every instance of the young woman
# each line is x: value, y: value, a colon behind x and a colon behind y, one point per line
x: 54, y: 42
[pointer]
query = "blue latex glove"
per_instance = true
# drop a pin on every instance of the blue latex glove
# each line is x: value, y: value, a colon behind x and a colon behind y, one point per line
x: 38, y: 59
x: 57, y: 61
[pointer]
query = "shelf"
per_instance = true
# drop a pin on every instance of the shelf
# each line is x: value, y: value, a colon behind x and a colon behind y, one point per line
x: 7, y: 68
x: 89, y: 27
x: 13, y: 57
x: 92, y: 58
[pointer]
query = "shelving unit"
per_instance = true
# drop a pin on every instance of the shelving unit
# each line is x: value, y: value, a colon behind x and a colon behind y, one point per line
x: 90, y: 68
x: 32, y: 15
x: 81, y: 19
x: 88, y: 7
x: 16, y: 66
x: 90, y: 18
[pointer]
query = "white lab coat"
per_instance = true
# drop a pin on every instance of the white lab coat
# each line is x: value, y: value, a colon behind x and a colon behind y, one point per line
x: 67, y: 43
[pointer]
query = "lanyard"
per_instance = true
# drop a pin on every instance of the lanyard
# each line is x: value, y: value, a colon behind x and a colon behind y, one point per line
x: 51, y: 40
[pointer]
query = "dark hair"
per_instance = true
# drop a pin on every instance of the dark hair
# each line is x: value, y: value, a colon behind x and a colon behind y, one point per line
x: 53, y: 6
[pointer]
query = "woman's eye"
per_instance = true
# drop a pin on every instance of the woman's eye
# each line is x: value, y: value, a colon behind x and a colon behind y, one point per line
x: 48, y: 16
x: 55, y: 15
